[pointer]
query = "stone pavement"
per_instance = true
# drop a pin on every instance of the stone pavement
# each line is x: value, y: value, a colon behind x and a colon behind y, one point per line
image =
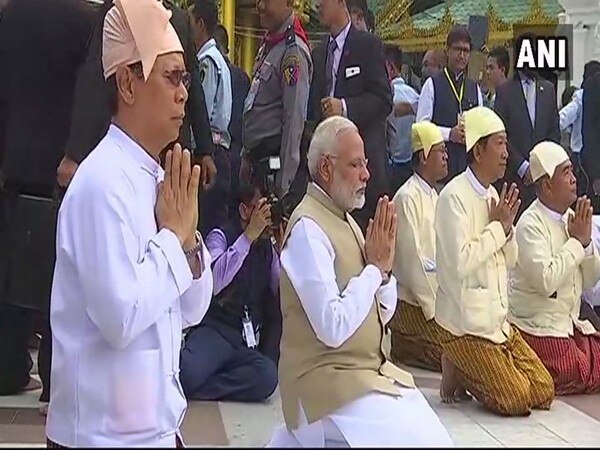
x: 572, y: 422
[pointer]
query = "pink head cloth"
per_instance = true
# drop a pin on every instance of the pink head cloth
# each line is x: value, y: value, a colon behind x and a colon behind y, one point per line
x: 134, y: 31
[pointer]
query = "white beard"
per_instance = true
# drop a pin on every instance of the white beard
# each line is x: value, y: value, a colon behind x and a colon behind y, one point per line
x: 345, y: 197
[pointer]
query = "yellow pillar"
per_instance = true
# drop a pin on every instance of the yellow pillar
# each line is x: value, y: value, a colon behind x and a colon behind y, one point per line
x: 228, y: 21
x: 249, y: 49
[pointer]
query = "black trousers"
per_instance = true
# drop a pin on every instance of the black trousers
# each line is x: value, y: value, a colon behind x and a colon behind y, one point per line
x: 216, y: 365
x: 215, y: 204
x: 18, y: 314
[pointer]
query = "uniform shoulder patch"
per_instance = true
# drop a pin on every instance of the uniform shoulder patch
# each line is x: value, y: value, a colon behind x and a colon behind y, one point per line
x: 291, y: 69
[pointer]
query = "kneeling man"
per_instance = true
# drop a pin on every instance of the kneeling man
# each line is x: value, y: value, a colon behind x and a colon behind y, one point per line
x: 415, y: 335
x: 475, y: 250
x: 557, y: 261
x: 337, y: 294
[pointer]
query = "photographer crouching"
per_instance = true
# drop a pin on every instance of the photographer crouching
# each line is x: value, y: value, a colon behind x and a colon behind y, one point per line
x: 233, y: 353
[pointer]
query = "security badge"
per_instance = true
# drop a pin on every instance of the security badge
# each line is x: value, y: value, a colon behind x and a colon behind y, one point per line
x: 248, y: 335
x: 291, y: 69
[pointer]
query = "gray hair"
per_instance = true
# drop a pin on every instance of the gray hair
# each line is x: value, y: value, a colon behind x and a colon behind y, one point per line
x: 324, y: 140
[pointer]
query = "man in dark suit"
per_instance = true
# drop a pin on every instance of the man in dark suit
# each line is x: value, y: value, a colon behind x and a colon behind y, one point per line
x: 350, y: 80
x: 91, y: 116
x: 527, y: 105
x: 590, y: 131
x: 42, y: 45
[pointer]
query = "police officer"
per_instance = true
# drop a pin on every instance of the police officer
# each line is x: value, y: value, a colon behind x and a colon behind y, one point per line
x: 216, y: 82
x: 275, y: 107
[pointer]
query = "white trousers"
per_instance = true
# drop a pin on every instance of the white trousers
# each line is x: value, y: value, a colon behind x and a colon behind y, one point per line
x: 375, y: 420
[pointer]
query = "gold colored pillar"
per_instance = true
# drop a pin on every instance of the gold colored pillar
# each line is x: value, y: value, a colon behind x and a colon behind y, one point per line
x: 249, y: 49
x: 228, y: 21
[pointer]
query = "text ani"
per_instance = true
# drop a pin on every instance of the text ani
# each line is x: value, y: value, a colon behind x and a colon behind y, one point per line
x: 543, y: 53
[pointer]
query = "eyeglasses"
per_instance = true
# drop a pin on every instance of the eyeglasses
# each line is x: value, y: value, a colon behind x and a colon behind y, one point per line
x: 178, y: 76
x: 464, y: 50
x: 356, y: 163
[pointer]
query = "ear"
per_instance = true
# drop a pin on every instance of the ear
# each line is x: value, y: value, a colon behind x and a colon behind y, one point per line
x: 242, y: 211
x: 125, y: 85
x: 477, y: 152
x: 326, y: 170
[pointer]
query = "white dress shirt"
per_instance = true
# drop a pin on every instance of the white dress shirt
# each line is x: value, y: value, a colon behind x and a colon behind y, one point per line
x: 340, y: 41
x: 426, y: 102
x: 122, y: 293
x: 375, y: 419
x: 571, y: 115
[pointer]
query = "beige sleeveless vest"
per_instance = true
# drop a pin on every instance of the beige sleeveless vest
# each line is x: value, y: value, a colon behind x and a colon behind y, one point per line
x: 320, y: 378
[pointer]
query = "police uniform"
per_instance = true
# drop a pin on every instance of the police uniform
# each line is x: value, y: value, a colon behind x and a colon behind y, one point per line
x: 216, y: 83
x: 275, y: 107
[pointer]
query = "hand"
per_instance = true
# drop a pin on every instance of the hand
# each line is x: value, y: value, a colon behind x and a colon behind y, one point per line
x: 402, y: 109
x: 279, y: 234
x: 580, y: 224
x: 380, y: 241
x: 259, y: 220
x: 507, y: 207
x: 331, y: 107
x: 65, y: 171
x: 208, y: 172
x: 527, y: 179
x: 177, y: 203
x: 245, y: 169
x: 457, y: 134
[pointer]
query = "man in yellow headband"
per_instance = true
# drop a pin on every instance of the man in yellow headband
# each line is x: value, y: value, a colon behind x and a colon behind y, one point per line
x: 414, y: 332
x: 557, y: 261
x: 131, y: 271
x: 475, y: 250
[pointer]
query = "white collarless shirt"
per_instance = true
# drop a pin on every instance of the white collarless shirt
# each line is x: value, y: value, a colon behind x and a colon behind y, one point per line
x: 122, y: 292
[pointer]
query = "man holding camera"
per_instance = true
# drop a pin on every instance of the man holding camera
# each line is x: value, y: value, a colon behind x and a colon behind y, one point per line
x: 275, y: 107
x: 233, y: 354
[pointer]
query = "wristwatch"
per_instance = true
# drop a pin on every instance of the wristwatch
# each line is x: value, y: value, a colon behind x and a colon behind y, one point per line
x: 385, y: 277
x: 196, y: 248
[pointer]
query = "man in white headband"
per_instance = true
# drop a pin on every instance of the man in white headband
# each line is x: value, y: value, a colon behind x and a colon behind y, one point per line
x: 475, y: 250
x: 557, y: 261
x: 131, y: 271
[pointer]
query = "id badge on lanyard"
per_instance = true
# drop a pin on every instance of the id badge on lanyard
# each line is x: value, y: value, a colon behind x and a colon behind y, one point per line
x: 457, y: 95
x: 248, y: 330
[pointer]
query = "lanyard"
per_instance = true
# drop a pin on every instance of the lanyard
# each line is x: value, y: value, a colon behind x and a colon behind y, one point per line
x: 458, y: 96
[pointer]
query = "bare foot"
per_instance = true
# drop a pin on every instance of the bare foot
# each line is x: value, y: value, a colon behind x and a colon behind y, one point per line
x: 32, y: 385
x: 449, y: 382
x: 461, y: 394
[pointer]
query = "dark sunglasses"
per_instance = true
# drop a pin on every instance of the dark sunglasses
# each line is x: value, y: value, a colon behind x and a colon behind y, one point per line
x: 178, y: 76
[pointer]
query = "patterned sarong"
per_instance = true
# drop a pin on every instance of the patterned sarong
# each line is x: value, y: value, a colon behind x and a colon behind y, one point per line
x: 415, y: 341
x: 574, y: 362
x: 508, y: 378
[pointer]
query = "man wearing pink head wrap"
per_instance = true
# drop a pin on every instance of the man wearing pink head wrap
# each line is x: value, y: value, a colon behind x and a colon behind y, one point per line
x: 131, y: 270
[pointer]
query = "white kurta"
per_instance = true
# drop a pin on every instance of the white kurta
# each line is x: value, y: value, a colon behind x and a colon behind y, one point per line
x: 122, y: 293
x: 373, y: 420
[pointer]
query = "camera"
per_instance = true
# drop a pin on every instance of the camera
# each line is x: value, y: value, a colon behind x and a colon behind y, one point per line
x: 266, y: 174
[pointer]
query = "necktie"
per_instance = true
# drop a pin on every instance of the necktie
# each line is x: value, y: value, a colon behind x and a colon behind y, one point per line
x: 530, y: 97
x: 329, y: 65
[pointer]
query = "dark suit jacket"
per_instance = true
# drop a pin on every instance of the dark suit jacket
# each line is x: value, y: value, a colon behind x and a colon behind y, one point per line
x: 511, y: 106
x: 368, y: 97
x: 91, y: 117
x: 590, y: 128
x: 42, y: 45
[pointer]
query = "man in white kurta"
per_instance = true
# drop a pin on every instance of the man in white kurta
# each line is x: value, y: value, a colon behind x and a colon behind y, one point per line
x: 336, y: 386
x: 557, y: 261
x: 126, y: 282
x: 415, y: 340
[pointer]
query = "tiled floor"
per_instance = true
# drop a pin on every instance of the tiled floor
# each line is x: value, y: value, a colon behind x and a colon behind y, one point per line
x: 572, y: 422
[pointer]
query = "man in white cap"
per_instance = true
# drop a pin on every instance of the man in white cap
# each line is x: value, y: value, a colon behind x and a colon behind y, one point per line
x: 131, y: 271
x: 557, y: 261
x: 338, y: 388
x: 475, y: 249
x: 414, y: 332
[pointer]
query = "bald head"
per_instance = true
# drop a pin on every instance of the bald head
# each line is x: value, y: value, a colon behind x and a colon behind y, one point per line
x: 433, y: 62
